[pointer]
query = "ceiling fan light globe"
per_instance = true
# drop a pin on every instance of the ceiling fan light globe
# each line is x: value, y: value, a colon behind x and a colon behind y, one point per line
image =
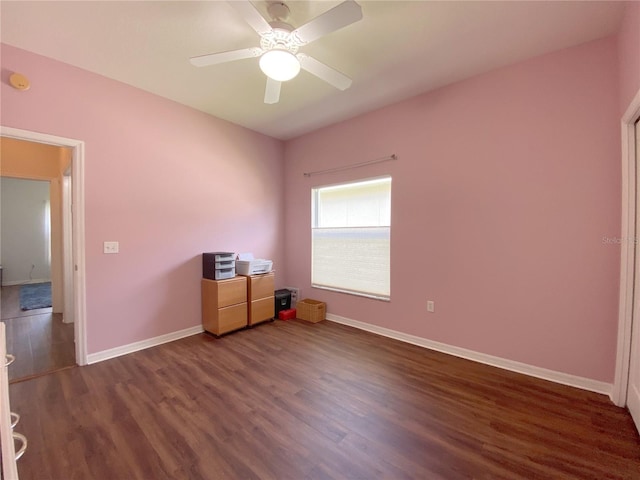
x: 279, y: 65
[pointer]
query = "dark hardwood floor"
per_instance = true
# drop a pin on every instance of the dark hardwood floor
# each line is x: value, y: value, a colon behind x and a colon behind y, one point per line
x: 39, y: 339
x: 293, y: 400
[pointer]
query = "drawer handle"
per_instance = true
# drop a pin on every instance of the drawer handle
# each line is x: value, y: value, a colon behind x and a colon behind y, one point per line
x: 9, y: 359
x: 14, y: 422
x: 23, y: 448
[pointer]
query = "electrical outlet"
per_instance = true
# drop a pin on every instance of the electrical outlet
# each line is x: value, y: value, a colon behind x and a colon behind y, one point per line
x: 111, y: 247
x: 431, y: 306
x: 295, y: 294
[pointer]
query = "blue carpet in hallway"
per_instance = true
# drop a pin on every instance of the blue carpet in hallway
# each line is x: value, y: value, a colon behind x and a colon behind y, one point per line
x: 35, y: 295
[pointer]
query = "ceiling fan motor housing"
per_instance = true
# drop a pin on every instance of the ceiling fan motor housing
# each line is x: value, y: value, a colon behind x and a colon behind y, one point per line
x: 279, y: 38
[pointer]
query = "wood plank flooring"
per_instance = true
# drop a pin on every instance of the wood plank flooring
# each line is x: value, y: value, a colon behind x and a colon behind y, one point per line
x: 293, y: 400
x: 39, y: 339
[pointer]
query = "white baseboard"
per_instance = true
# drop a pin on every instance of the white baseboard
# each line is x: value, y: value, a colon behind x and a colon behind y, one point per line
x: 538, y: 372
x: 136, y: 346
x: 25, y: 282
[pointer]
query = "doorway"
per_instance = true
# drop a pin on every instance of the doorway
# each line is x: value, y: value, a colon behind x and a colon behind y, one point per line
x: 633, y: 389
x: 73, y: 295
x: 626, y: 387
x: 31, y: 259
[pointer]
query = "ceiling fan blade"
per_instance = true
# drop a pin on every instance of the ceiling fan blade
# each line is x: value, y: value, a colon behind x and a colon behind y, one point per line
x: 272, y: 92
x: 340, y: 16
x: 251, y: 16
x: 214, y: 58
x: 324, y: 72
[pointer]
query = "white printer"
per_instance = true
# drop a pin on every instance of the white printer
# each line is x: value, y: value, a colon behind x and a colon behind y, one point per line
x: 247, y: 265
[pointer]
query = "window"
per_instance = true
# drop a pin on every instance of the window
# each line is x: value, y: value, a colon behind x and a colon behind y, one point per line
x: 351, y: 237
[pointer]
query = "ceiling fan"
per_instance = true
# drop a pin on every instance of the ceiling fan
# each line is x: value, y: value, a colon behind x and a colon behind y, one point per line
x: 278, y: 51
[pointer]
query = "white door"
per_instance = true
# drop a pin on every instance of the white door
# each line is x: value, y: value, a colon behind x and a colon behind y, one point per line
x: 633, y: 393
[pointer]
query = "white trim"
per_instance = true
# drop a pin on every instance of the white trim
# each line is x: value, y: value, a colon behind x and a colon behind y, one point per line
x: 627, y: 253
x: 13, y: 283
x: 382, y: 298
x: 78, y: 241
x: 143, y: 344
x: 67, y: 248
x: 77, y: 169
x: 533, y: 371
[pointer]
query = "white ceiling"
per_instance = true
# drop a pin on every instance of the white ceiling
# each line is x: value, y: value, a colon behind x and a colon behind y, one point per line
x: 399, y: 49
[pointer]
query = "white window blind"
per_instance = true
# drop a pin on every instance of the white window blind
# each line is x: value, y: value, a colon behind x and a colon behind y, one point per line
x: 351, y: 237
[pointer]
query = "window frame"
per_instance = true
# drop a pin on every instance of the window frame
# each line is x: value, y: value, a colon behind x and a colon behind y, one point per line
x: 314, y: 225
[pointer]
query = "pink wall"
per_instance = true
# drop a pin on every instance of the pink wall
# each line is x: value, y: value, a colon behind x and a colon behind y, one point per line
x: 506, y: 202
x: 164, y: 180
x: 506, y: 189
x: 629, y: 54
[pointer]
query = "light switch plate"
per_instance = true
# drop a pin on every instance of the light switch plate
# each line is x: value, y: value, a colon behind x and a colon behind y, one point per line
x: 111, y: 247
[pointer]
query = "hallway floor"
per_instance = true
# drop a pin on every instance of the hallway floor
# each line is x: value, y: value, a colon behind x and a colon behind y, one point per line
x: 39, y: 339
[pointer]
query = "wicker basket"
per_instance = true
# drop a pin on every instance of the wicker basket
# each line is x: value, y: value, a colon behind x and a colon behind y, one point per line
x: 311, y: 310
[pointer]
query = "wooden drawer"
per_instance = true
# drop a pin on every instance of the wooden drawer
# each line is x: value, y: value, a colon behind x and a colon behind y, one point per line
x: 261, y: 310
x: 261, y: 286
x: 226, y: 319
x: 223, y: 293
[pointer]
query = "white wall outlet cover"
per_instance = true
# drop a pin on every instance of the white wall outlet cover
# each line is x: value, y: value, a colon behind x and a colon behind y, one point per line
x: 295, y: 292
x: 111, y: 247
x: 431, y: 306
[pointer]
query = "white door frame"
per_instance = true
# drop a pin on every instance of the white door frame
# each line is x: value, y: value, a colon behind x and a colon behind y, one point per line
x: 628, y: 260
x: 67, y: 248
x: 78, y: 240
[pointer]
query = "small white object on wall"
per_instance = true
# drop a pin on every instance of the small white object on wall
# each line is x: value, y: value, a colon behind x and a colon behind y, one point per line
x: 111, y: 247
